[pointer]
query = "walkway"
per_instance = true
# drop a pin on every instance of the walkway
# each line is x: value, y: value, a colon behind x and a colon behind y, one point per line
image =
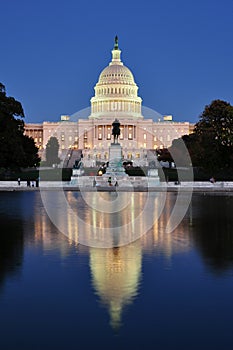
x: 169, y: 187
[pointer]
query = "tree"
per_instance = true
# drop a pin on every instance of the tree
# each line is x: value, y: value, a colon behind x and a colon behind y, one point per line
x: 52, y: 149
x: 217, y: 121
x: 180, y: 153
x: 214, y: 133
x: 211, y: 144
x: 31, y: 157
x: 15, y: 149
x: 164, y: 155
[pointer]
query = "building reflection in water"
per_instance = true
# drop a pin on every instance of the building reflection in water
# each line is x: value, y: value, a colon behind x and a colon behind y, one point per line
x: 45, y: 231
x: 116, y: 274
x: 40, y: 230
x: 158, y: 240
x: 105, y: 220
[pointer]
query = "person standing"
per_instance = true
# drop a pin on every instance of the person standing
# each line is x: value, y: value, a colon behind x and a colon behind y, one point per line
x: 37, y: 182
x: 212, y: 180
x: 19, y: 181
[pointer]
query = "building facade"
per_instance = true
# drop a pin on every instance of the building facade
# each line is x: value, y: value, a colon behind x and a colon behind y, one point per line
x: 116, y: 96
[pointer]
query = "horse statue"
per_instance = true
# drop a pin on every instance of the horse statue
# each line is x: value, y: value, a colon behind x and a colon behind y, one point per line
x: 116, y: 130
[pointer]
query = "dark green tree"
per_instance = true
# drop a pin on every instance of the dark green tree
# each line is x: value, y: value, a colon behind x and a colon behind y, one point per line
x: 52, y: 149
x: 214, y: 136
x: 217, y: 121
x: 31, y: 157
x: 210, y: 146
x: 15, y: 149
x: 164, y: 155
x: 180, y: 153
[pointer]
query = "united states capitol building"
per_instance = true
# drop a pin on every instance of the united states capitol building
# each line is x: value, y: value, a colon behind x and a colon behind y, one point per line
x: 116, y: 96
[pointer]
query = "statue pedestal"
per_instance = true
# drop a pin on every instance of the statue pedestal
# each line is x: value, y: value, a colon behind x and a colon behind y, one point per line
x: 76, y: 174
x: 115, y: 172
x: 153, y: 178
x: 115, y: 167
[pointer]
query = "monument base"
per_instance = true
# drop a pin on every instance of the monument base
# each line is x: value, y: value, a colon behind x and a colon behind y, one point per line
x: 76, y: 174
x: 115, y: 173
x: 153, y: 178
x: 115, y: 167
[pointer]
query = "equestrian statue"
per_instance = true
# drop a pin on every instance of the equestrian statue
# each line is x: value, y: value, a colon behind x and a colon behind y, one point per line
x: 116, y: 130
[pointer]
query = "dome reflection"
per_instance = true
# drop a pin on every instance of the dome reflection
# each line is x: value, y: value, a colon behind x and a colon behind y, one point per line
x: 116, y: 276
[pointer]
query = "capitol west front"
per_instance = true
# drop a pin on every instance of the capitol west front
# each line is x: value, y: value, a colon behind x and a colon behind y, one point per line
x: 116, y: 96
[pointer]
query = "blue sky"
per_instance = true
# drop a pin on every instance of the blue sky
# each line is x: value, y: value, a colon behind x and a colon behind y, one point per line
x: 180, y: 53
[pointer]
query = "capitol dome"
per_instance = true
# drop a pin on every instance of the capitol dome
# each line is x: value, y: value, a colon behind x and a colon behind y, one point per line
x: 116, y: 91
x: 116, y: 74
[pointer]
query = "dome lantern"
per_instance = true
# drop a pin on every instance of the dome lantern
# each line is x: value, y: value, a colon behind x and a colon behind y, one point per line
x: 116, y: 54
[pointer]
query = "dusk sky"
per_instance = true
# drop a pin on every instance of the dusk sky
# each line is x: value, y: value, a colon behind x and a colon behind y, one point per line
x: 180, y: 52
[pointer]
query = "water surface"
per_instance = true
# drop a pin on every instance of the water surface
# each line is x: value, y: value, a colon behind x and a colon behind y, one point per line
x: 162, y: 291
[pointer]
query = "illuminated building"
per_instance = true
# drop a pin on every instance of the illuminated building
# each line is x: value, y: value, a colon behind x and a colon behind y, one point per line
x: 116, y: 96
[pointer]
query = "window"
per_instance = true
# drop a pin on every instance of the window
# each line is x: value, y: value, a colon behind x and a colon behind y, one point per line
x: 100, y: 133
x: 130, y: 133
x: 122, y: 133
x: 144, y: 136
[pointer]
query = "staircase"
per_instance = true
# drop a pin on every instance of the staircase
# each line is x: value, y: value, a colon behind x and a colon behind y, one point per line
x: 71, y: 157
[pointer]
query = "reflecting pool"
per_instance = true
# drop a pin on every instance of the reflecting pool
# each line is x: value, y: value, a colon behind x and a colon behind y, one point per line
x: 162, y: 290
